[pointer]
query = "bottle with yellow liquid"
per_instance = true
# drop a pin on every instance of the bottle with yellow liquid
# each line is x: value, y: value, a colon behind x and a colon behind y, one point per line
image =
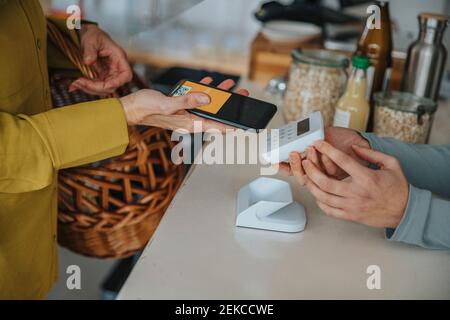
x: 353, y: 109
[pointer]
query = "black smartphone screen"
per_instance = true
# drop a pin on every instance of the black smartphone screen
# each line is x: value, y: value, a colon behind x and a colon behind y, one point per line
x: 230, y: 108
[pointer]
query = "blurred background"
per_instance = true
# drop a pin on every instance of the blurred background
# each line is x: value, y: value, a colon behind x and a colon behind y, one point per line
x: 167, y: 40
x: 218, y: 34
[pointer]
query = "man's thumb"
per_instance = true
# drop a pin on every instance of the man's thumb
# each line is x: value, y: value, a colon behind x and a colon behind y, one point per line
x: 374, y: 157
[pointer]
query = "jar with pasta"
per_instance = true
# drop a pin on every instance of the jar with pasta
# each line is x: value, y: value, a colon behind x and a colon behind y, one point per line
x: 316, y: 81
x: 403, y: 116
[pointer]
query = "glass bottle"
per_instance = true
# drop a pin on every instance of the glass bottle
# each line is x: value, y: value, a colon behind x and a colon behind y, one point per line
x: 352, y: 110
x: 376, y: 44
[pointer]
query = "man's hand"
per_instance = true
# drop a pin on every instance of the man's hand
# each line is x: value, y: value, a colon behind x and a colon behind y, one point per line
x: 152, y: 108
x: 373, y: 197
x: 340, y: 138
x: 109, y: 60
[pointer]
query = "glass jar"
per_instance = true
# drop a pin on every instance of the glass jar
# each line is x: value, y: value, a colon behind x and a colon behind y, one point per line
x: 403, y: 116
x: 316, y: 81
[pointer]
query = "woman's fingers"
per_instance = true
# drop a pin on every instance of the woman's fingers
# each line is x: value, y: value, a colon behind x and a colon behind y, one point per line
x: 206, y: 80
x: 87, y: 89
x: 224, y: 85
x: 90, y: 51
x: 243, y: 92
x: 95, y: 87
x: 118, y: 79
x: 324, y: 182
x: 227, y: 84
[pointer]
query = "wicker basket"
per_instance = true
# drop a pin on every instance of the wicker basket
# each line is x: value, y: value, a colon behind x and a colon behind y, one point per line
x: 111, y: 208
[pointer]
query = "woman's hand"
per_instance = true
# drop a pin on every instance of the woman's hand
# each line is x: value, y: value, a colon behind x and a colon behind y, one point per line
x: 152, y: 108
x: 373, y: 197
x: 109, y: 60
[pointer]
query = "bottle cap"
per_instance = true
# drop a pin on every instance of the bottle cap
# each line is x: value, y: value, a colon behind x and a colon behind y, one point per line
x: 360, y: 62
x: 435, y: 16
x: 433, y: 21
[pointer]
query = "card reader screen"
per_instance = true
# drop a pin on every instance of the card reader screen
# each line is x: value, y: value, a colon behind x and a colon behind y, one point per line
x: 302, y: 127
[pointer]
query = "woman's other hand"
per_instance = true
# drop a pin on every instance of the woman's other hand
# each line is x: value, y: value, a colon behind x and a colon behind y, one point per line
x: 108, y: 59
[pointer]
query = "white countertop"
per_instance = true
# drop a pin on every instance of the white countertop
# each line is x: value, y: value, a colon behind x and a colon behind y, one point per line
x: 198, y: 253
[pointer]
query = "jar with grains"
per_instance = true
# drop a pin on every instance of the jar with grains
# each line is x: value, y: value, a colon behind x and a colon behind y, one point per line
x: 403, y: 116
x: 316, y: 81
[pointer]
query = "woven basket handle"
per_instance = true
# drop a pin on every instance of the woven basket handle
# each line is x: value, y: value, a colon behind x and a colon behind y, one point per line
x: 71, y: 51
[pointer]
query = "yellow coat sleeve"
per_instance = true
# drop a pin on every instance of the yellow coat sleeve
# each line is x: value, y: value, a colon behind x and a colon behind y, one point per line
x: 34, y: 147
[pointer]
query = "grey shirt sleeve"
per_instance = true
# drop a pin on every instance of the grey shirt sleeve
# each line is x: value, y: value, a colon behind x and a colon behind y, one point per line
x: 426, y: 221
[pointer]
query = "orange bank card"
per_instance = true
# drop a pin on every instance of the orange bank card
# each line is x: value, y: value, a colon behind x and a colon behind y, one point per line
x: 218, y: 97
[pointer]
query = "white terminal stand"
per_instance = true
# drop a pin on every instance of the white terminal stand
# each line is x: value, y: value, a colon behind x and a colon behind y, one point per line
x: 267, y: 203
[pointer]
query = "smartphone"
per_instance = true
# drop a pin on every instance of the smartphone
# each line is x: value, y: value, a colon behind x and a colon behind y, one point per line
x: 230, y: 108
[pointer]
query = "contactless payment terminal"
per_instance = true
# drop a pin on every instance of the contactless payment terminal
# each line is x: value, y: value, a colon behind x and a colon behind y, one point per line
x: 295, y: 136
